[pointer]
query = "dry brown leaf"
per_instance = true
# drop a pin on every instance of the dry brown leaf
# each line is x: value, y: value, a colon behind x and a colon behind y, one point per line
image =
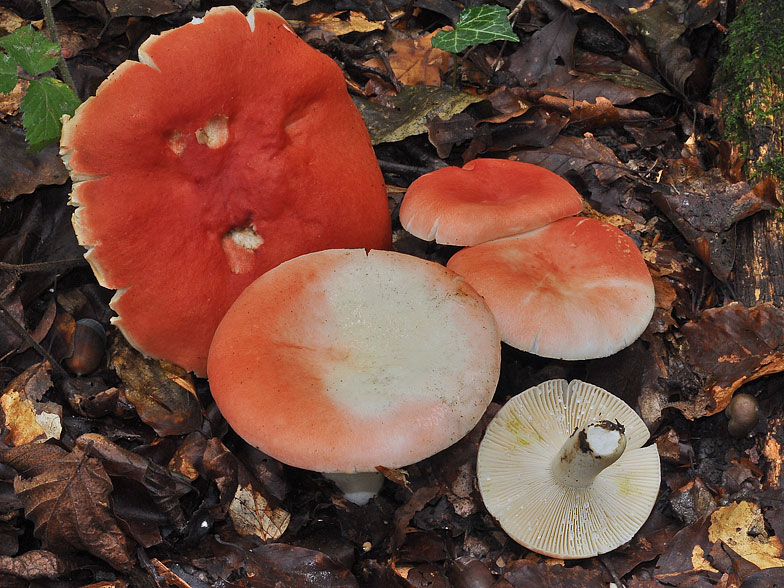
x: 34, y: 565
x: 741, y: 526
x: 164, y: 486
x: 162, y: 394
x: 67, y: 497
x: 345, y: 22
x: 252, y: 515
x: 25, y: 418
x: 417, y: 62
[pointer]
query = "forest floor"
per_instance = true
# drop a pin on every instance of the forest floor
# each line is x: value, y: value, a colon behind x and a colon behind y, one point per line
x: 138, y: 482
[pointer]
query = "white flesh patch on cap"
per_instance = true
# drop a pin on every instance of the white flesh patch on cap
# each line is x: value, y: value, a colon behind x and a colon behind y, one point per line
x: 215, y: 132
x: 177, y: 142
x: 239, y: 245
x: 514, y: 471
x: 397, y: 337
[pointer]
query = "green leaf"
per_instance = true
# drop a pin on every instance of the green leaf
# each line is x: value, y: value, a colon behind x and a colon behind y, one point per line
x: 7, y: 73
x: 31, y: 50
x: 43, y: 104
x: 477, y: 25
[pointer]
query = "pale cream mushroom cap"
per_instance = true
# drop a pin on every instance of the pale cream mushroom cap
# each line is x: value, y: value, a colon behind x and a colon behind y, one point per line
x: 517, y: 485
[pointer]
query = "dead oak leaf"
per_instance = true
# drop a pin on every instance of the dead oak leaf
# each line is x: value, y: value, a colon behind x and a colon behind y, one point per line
x: 25, y: 418
x: 66, y: 495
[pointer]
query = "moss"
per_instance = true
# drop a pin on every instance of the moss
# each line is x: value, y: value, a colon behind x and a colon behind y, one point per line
x: 751, y: 76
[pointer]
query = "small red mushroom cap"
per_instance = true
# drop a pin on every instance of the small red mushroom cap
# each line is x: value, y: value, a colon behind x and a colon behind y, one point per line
x: 575, y: 289
x: 486, y: 199
x: 231, y: 147
x: 341, y: 361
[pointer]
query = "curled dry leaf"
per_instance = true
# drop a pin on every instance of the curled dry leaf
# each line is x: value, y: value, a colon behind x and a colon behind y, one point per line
x: 34, y: 565
x: 163, y: 394
x: 25, y: 418
x: 252, y: 515
x: 66, y: 494
x: 344, y: 22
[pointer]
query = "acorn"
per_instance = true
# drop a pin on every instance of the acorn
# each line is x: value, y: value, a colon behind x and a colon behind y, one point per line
x: 743, y: 413
x: 89, y: 345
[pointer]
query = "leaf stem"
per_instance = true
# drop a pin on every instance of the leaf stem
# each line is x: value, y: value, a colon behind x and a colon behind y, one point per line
x: 43, y: 266
x: 51, y: 27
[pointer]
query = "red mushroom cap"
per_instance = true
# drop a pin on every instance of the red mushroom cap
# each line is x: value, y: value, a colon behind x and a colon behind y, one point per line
x: 231, y: 147
x: 577, y: 288
x: 486, y: 199
x: 341, y: 361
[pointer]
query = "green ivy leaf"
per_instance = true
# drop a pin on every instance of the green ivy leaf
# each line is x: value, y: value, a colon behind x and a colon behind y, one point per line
x: 43, y: 104
x: 475, y: 26
x: 31, y: 50
x: 7, y: 73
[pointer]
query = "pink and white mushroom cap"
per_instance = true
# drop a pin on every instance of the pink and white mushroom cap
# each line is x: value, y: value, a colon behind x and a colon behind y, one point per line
x: 563, y: 469
x: 575, y: 289
x: 486, y: 199
x: 342, y: 360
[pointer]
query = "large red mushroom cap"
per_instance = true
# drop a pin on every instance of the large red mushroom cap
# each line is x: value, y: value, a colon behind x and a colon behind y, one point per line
x: 575, y: 289
x: 341, y: 361
x: 231, y: 147
x: 486, y: 199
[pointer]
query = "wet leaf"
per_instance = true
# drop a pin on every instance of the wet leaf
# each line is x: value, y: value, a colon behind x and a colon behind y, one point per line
x: 66, y: 494
x: 277, y: 564
x: 728, y: 347
x: 23, y: 171
x: 547, y: 58
x: 162, y: 393
x: 523, y: 573
x: 141, y: 8
x: 407, y: 113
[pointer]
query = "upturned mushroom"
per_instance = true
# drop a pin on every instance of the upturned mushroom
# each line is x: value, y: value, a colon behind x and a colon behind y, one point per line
x: 563, y: 469
x: 575, y: 289
x: 340, y: 361
x: 230, y: 147
x: 486, y: 199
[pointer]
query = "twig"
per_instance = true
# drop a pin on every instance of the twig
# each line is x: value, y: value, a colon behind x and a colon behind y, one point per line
x: 513, y: 15
x: 43, y: 266
x: 19, y: 329
x: 62, y: 66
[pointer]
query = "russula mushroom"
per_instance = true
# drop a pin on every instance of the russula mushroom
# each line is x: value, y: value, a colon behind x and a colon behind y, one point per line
x: 743, y: 414
x: 340, y: 361
x: 563, y: 469
x: 486, y: 199
x: 575, y: 289
x: 231, y: 147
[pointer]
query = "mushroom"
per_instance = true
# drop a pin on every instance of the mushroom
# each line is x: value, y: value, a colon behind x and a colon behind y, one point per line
x: 486, y: 199
x: 743, y: 414
x: 340, y: 361
x: 563, y: 469
x: 577, y: 288
x: 231, y: 147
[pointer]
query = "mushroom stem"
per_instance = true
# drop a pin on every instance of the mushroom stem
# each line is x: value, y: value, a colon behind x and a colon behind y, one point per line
x: 587, y: 452
x: 358, y: 488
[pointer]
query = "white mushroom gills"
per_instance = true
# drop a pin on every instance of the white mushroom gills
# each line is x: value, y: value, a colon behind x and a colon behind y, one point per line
x: 588, y: 452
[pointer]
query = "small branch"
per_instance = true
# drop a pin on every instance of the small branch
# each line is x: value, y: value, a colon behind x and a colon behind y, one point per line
x: 62, y: 66
x: 43, y: 266
x: 19, y: 329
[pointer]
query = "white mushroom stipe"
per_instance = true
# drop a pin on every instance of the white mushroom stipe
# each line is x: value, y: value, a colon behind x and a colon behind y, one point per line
x: 587, y: 452
x: 537, y: 477
x: 359, y: 488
